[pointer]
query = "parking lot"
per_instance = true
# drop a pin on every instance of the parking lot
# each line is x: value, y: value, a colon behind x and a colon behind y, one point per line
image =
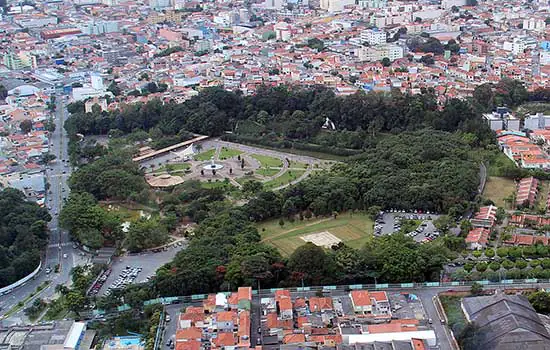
x: 390, y: 222
x: 148, y: 262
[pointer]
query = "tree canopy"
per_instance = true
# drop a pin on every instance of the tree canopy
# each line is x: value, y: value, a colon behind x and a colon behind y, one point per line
x: 23, y: 233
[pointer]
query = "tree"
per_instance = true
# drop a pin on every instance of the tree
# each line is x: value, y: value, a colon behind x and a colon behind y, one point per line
x: 477, y: 289
x: 427, y: 60
x: 145, y: 234
x: 386, y: 62
x: 316, y: 44
x: 50, y: 125
x: 47, y: 157
x: 114, y: 88
x: 75, y: 301
x: 540, y: 300
x: 3, y: 90
x: 471, y: 337
x: 311, y: 264
x: 26, y: 126
x: 252, y: 187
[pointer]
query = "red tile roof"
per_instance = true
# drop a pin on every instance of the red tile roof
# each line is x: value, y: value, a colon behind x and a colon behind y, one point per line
x: 361, y: 297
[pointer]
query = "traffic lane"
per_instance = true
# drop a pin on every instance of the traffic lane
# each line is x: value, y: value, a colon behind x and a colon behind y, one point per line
x: 171, y: 326
x: 441, y: 334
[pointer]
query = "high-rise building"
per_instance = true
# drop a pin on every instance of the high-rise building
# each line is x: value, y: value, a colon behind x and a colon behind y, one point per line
x: 373, y: 37
x: 21, y: 60
x: 97, y: 81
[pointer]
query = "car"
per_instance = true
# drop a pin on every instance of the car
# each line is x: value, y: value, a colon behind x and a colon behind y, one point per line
x: 48, y: 270
x: 65, y: 256
x: 168, y: 318
x: 430, y: 321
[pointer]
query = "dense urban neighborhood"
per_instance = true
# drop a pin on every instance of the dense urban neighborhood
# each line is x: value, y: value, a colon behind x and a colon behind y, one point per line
x: 274, y: 174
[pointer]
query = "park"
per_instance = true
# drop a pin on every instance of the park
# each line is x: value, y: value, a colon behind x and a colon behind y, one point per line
x: 215, y: 161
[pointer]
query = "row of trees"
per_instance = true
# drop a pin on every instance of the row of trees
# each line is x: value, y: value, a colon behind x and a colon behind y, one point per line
x: 226, y: 252
x: 288, y: 113
x: 23, y: 234
x: 429, y: 170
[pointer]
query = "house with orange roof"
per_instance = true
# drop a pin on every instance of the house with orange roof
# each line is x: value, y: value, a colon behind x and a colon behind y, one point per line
x: 223, y: 340
x: 477, y: 238
x: 294, y: 338
x: 361, y: 302
x: 323, y: 304
x: 188, y: 345
x: 527, y: 191
x: 244, y: 298
x: 192, y: 333
x: 226, y: 321
x: 485, y: 217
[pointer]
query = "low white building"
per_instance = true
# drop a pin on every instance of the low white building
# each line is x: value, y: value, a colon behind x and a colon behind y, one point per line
x: 376, y: 53
x: 505, y: 121
x: 536, y: 121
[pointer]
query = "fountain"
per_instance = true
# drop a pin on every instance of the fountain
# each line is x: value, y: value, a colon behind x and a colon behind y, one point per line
x: 212, y: 165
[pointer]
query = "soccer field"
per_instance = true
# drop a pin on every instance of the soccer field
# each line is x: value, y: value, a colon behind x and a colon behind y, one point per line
x: 354, y: 230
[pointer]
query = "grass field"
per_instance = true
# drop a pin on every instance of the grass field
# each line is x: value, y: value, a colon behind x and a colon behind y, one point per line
x: 226, y: 153
x: 297, y: 165
x: 284, y: 179
x: 452, y: 307
x: 172, y: 168
x: 125, y: 213
x: 267, y: 171
x: 267, y: 161
x: 217, y: 184
x: 543, y: 195
x: 498, y: 188
x: 206, y: 155
x: 244, y: 179
x: 354, y: 230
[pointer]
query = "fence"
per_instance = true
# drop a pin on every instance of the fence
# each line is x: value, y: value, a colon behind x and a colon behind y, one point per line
x: 22, y: 281
x: 532, y: 282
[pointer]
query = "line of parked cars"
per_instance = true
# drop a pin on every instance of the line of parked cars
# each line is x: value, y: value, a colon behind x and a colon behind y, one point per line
x: 126, y: 277
x: 100, y: 282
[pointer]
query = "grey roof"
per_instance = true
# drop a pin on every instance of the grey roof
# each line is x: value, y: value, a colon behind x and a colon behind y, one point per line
x: 507, y: 322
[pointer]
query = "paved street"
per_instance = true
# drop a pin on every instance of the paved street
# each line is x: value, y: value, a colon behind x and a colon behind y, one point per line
x: 57, y: 174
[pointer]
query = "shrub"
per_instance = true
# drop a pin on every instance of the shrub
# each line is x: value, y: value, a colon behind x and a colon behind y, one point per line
x: 468, y: 267
x: 545, y: 263
x: 476, y: 253
x: 507, y: 264
x: 515, y: 252
x: 482, y: 266
x: 534, y: 263
x: 521, y: 264
x: 495, y: 266
x: 502, y: 252
x: 489, y: 253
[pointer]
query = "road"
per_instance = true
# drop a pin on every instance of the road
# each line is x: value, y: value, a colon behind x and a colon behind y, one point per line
x: 59, y: 245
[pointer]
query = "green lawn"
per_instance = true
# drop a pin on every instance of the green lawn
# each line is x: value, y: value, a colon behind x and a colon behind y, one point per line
x: 354, y: 230
x: 217, y: 184
x: 244, y: 179
x: 125, y: 213
x: 226, y: 153
x: 268, y: 172
x: 297, y: 165
x: 206, y: 155
x: 498, y: 188
x: 284, y: 179
x: 172, y: 168
x: 267, y: 161
x: 451, y: 305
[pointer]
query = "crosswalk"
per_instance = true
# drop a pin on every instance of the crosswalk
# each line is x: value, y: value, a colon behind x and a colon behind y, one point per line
x: 66, y: 244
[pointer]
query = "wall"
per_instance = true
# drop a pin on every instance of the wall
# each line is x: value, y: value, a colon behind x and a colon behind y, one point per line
x: 14, y: 285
